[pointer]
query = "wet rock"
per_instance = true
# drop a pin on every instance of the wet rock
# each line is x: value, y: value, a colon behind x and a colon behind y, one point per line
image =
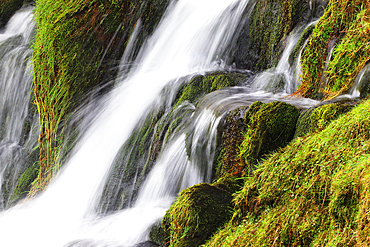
x: 266, y: 23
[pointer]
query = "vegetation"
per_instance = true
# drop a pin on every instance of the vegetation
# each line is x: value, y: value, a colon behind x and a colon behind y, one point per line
x: 264, y: 128
x: 197, y: 213
x: 346, y: 23
x: 313, y: 192
x: 140, y: 151
x: 317, y: 119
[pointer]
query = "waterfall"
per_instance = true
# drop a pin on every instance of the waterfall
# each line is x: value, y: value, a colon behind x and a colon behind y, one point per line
x: 187, y: 41
x: 284, y: 78
x: 18, y: 118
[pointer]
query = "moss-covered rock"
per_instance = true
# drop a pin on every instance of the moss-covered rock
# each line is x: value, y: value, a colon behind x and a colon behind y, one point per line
x: 141, y: 150
x: 202, y: 85
x: 198, y: 212
x: 230, y: 137
x: 271, y: 126
x: 246, y: 134
x: 24, y: 184
x: 314, y: 192
x: 18, y: 176
x: 345, y: 24
x: 157, y: 234
x: 316, y: 119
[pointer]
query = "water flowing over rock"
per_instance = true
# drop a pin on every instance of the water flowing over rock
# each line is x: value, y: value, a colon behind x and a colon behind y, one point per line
x: 18, y: 116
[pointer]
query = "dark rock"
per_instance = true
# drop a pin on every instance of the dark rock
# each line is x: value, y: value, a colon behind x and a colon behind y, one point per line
x: 8, y: 8
x: 146, y: 244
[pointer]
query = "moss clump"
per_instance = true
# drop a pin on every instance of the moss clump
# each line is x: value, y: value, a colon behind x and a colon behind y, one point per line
x: 249, y: 133
x: 271, y: 126
x: 198, y: 212
x: 314, y: 192
x: 316, y: 119
x: 201, y: 85
x: 75, y: 45
x: 347, y: 23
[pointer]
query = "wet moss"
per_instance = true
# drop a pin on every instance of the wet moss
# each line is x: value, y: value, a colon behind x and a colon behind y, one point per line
x: 314, y: 192
x: 316, y: 119
x: 230, y: 137
x: 202, y: 85
x: 345, y: 23
x: 23, y: 175
x: 248, y: 133
x: 270, y: 126
x: 302, y: 40
x: 24, y: 185
x: 271, y: 22
x: 198, y: 212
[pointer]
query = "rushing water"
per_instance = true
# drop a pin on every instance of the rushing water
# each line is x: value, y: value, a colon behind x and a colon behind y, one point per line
x: 187, y: 41
x: 18, y: 120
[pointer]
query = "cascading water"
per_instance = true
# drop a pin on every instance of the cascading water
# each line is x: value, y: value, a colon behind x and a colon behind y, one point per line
x: 283, y: 78
x: 186, y: 42
x: 18, y: 118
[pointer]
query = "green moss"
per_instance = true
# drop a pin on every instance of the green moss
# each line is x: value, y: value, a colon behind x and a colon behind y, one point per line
x: 314, y: 192
x: 250, y: 133
x: 298, y: 47
x: 271, y: 126
x: 198, y: 212
x: 201, y: 85
x: 346, y: 22
x: 24, y: 184
x: 271, y: 22
x: 316, y: 119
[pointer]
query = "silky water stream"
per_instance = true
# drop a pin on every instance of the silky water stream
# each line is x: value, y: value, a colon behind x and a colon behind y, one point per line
x: 18, y: 119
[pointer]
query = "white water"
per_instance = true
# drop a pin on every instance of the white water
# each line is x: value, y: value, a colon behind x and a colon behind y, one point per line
x: 15, y: 89
x: 283, y: 73
x: 354, y: 92
x: 187, y: 41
